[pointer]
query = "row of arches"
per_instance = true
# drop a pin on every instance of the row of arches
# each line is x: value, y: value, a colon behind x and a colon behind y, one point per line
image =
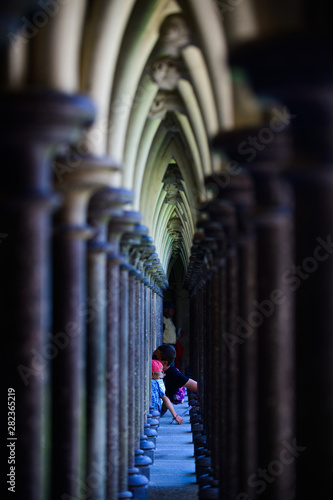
x: 151, y: 70
x: 129, y: 131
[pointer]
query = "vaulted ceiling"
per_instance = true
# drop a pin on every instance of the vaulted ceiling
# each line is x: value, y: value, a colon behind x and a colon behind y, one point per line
x: 158, y: 74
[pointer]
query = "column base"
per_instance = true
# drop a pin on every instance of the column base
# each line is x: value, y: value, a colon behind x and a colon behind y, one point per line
x: 153, y: 422
x: 203, y: 465
x: 208, y: 493
x: 138, y: 484
x: 151, y: 434
x: 124, y: 495
x: 155, y: 415
x: 147, y: 447
x: 143, y: 463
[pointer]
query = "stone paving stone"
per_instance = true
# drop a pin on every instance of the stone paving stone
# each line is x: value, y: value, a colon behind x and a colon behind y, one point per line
x: 172, y: 476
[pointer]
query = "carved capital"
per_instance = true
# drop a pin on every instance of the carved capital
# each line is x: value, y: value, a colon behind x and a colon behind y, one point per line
x: 166, y: 72
x: 173, y: 175
x: 174, y: 34
x: 164, y: 101
x: 175, y: 224
x: 172, y: 185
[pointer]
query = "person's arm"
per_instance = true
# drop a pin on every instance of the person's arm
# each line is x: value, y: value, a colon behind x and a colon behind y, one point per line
x: 192, y: 385
x: 170, y: 407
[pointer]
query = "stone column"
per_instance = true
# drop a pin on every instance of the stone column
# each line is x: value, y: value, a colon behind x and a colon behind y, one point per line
x: 142, y: 462
x: 126, y: 221
x: 194, y: 284
x: 137, y: 482
x: 147, y: 250
x: 191, y: 285
x: 271, y: 314
x: 204, y: 419
x: 239, y: 190
x: 304, y: 84
x: 214, y: 231
x: 224, y: 212
x: 149, y: 266
x: 102, y: 207
x: 115, y: 259
x: 220, y: 454
x: 70, y: 315
x: 34, y: 124
x: 161, y: 284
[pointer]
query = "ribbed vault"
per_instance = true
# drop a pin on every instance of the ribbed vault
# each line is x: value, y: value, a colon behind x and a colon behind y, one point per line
x: 157, y: 73
x: 164, y: 112
x: 100, y: 225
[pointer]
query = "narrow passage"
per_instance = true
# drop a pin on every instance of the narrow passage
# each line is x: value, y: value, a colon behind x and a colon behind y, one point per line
x: 172, y: 476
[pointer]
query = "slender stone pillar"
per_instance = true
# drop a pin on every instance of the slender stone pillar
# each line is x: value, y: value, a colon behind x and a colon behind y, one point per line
x: 147, y: 250
x: 148, y: 266
x: 142, y: 462
x: 271, y: 313
x: 138, y: 350
x: 126, y: 223
x: 151, y: 425
x: 101, y: 209
x: 70, y: 316
x: 204, y: 418
x: 220, y: 355
x: 161, y: 284
x: 137, y: 482
x: 34, y: 123
x: 224, y: 212
x: 239, y: 190
x: 115, y: 230
x: 304, y: 84
x: 213, y: 230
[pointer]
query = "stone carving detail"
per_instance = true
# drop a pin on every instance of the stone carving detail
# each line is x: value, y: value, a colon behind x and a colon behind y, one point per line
x: 175, y: 227
x: 164, y: 101
x: 172, y: 185
x: 174, y: 34
x: 169, y: 123
x: 166, y: 72
x: 172, y: 197
x: 172, y: 175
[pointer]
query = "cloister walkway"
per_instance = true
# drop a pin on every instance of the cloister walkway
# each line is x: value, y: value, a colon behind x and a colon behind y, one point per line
x: 173, y: 473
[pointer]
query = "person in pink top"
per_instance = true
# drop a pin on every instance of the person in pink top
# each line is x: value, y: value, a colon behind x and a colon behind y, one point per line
x: 157, y: 393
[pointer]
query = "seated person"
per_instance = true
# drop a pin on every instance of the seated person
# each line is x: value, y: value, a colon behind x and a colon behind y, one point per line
x: 169, y: 329
x: 173, y: 379
x: 157, y: 392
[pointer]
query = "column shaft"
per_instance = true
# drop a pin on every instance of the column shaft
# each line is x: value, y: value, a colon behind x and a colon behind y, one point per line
x: 34, y: 123
x: 131, y: 368
x: 67, y: 370
x: 113, y: 376
x: 96, y: 372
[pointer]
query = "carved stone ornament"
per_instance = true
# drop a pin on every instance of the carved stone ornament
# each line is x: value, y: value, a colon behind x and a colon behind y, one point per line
x: 173, y: 176
x: 164, y: 101
x: 166, y: 72
x: 175, y: 225
x: 174, y: 34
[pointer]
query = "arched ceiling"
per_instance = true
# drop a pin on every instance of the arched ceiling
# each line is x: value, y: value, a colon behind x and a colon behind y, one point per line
x: 166, y: 106
x: 157, y: 72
